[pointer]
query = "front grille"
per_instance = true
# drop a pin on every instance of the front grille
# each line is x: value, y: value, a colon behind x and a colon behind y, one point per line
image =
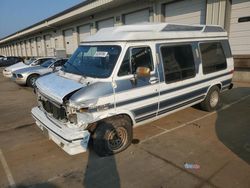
x: 57, y: 112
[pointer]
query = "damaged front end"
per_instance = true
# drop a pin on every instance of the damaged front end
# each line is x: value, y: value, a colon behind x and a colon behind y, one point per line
x: 68, y: 113
x: 64, y: 121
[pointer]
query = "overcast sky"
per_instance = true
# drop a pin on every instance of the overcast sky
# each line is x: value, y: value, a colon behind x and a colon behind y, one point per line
x: 18, y: 14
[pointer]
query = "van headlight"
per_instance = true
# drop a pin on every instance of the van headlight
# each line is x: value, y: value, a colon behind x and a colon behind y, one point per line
x: 82, y: 110
x: 72, y: 118
x: 74, y: 110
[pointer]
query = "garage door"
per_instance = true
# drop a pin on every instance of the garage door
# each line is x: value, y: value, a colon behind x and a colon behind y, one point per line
x: 39, y: 46
x: 28, y: 48
x: 186, y: 12
x: 12, y: 49
x: 9, y: 48
x: 68, y: 40
x: 33, y: 47
x: 16, y: 51
x: 49, y: 50
x: 19, y: 49
x: 239, y: 34
x: 23, y: 48
x: 137, y: 17
x: 6, y: 51
x: 105, y: 23
x: 83, y: 31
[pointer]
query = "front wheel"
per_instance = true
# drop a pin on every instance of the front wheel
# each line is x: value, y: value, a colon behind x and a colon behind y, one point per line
x: 212, y: 99
x: 112, y: 136
x: 32, y: 80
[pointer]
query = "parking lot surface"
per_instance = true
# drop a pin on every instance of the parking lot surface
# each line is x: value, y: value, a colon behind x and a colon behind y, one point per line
x: 189, y: 148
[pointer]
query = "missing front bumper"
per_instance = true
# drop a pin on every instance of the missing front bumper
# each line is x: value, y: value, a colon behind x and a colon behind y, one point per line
x: 72, y: 141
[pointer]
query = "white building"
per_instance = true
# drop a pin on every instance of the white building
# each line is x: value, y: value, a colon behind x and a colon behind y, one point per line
x: 65, y: 30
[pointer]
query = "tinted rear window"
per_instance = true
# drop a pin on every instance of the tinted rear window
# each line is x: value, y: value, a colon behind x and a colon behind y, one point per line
x: 213, y: 57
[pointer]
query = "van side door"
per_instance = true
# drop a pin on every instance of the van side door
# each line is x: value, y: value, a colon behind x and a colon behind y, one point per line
x: 140, y: 96
x: 180, y: 64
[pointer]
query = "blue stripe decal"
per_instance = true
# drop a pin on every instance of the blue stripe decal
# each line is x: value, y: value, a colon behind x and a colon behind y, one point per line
x: 146, y: 117
x: 169, y: 109
x: 184, y: 97
x: 170, y: 102
x: 136, y: 99
x: 145, y: 110
x: 195, y: 83
x: 181, y: 105
x: 226, y: 82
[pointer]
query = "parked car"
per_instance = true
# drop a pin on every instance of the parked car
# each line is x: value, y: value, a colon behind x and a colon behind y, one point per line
x: 126, y: 76
x: 1, y: 57
x: 10, y: 60
x: 7, y: 72
x: 28, y: 75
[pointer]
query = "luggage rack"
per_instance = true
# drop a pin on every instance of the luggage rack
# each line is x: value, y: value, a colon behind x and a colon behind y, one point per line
x: 205, y: 28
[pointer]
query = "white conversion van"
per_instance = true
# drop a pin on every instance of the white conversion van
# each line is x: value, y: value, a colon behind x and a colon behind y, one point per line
x: 126, y: 76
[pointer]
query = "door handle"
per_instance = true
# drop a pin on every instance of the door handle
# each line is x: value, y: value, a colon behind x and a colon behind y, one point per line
x: 153, y: 80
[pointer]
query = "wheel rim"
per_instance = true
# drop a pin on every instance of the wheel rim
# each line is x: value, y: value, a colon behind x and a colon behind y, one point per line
x: 214, y: 98
x: 117, y: 138
x: 33, y: 80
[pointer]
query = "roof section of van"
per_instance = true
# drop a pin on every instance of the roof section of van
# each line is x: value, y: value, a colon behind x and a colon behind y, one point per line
x: 156, y: 31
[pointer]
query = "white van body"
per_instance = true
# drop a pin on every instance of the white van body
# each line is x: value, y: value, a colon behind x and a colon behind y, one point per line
x: 85, y: 100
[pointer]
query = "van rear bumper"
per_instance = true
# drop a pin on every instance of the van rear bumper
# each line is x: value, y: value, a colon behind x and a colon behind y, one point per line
x: 72, y: 141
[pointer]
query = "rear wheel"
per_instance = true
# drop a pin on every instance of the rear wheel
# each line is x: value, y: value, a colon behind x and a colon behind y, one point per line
x: 212, y: 100
x: 31, y: 80
x: 112, y: 136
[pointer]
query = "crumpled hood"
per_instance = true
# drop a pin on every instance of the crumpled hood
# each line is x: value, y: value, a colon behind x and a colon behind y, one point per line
x: 17, y: 66
x: 57, y: 87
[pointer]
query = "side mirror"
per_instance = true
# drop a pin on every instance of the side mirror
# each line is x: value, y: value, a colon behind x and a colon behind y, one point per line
x: 143, y: 72
x: 53, y: 68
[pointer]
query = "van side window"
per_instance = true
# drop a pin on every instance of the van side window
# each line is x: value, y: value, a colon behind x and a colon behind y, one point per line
x: 139, y: 57
x: 178, y: 62
x: 213, y: 57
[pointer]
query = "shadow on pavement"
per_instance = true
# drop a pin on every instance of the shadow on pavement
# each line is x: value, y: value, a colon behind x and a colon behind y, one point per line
x: 38, y: 185
x: 101, y: 172
x: 233, y: 125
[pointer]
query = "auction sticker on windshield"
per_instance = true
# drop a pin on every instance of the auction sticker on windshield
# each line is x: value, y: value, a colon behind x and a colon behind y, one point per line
x: 101, y: 54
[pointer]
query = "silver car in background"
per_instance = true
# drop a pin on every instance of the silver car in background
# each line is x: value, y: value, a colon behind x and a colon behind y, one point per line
x: 28, y: 75
x: 8, y: 71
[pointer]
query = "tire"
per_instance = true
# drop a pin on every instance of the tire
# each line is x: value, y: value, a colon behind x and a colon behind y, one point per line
x: 112, y: 136
x: 212, y: 100
x: 31, y: 80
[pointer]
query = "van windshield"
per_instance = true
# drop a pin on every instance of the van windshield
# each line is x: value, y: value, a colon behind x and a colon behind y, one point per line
x: 95, y: 61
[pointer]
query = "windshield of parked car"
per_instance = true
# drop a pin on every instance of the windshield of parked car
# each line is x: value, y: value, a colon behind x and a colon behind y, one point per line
x: 95, y: 61
x: 29, y: 61
x: 47, y: 63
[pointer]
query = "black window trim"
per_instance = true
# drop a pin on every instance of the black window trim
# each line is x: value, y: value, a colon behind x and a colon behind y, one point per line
x: 131, y: 47
x: 193, y: 45
x: 212, y: 41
